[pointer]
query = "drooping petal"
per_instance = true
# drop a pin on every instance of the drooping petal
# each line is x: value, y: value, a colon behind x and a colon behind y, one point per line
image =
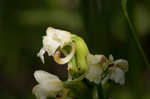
x: 50, y: 45
x: 41, y: 54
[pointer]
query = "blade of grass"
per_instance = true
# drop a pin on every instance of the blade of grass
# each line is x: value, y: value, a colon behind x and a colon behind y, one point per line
x: 133, y: 32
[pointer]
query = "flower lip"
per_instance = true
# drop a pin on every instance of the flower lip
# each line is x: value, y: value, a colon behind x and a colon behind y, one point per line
x: 67, y: 58
x: 118, y: 76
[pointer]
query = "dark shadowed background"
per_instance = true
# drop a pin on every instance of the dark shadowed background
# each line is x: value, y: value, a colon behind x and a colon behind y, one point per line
x: 99, y: 22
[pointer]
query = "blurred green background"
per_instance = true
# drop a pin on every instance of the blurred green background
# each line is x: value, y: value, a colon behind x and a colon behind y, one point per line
x: 99, y: 22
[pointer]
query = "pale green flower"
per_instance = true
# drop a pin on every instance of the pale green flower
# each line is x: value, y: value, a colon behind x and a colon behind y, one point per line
x: 49, y: 85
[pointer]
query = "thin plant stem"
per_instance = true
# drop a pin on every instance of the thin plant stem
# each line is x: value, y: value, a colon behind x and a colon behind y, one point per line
x: 133, y: 32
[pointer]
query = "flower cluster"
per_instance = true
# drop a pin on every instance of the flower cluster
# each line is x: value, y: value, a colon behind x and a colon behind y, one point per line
x: 103, y: 69
x: 96, y: 69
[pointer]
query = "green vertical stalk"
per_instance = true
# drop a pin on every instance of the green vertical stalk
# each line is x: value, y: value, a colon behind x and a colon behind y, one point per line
x: 133, y: 32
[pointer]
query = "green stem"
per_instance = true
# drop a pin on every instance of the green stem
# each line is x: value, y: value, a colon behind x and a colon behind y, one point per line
x: 133, y: 32
x: 100, y: 91
x: 79, y: 89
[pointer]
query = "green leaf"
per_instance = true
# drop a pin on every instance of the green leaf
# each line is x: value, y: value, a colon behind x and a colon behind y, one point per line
x: 134, y: 32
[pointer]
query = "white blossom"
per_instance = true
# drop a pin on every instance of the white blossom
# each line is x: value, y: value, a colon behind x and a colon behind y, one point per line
x: 95, y: 63
x: 94, y: 73
x: 116, y: 71
x: 49, y: 85
x: 53, y: 40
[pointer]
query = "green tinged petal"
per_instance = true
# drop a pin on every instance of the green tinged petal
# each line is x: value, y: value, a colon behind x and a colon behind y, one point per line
x: 80, y: 54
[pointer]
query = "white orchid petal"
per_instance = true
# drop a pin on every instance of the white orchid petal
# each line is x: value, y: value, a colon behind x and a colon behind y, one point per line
x: 50, y: 45
x: 47, y: 89
x: 41, y: 54
x: 39, y: 92
x: 42, y: 76
x: 95, y: 59
x: 118, y: 76
x: 95, y: 63
x: 94, y: 73
x: 54, y: 39
x: 66, y: 59
x: 59, y: 35
x: 49, y: 85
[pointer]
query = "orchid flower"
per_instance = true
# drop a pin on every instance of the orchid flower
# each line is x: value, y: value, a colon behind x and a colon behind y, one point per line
x: 102, y: 69
x: 55, y: 43
x: 118, y: 71
x: 96, y: 65
x: 49, y: 85
x: 115, y: 71
x: 81, y: 65
x: 54, y: 40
